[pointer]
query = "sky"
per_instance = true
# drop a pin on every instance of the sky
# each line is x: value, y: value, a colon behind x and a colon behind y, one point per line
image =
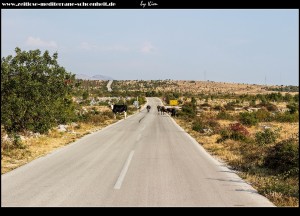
x: 254, y: 46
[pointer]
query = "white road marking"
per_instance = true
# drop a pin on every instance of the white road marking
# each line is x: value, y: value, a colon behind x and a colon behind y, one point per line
x: 123, y: 172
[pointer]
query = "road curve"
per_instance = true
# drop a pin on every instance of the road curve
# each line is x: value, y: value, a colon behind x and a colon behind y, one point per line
x: 109, y: 85
x: 144, y: 160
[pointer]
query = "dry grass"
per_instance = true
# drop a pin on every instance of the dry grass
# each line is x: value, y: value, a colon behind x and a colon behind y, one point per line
x: 260, y: 183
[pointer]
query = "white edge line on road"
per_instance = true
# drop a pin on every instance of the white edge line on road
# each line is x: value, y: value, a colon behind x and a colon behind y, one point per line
x: 123, y: 172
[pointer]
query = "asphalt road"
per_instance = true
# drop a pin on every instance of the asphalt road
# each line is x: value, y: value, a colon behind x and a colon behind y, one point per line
x: 109, y: 85
x: 144, y: 160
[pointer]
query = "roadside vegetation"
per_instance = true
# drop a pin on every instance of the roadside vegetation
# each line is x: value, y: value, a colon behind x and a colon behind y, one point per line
x: 256, y: 135
x: 253, y: 128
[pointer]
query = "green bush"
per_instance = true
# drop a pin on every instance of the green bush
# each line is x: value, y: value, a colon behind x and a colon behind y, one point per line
x: 267, y: 136
x: 248, y: 119
x: 225, y: 134
x: 17, y: 142
x: 225, y: 116
x: 189, y: 109
x: 278, y: 185
x: 85, y: 95
x: 284, y: 156
x: 263, y: 115
x: 198, y: 126
x: 287, y: 117
x: 35, y: 92
x: 293, y: 108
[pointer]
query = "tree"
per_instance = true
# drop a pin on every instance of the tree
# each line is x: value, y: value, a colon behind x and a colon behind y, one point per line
x: 35, y: 92
x: 85, y: 95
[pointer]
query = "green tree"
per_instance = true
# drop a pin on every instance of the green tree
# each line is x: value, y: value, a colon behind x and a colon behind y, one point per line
x: 35, y: 92
x: 85, y: 95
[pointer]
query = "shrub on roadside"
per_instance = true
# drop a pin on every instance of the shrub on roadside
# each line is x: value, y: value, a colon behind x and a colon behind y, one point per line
x: 248, y: 119
x: 263, y: 115
x: 189, y: 109
x: 284, y: 156
x: 235, y: 131
x: 225, y: 134
x: 198, y: 126
x: 207, y: 125
x: 287, y: 117
x: 267, y: 136
x: 238, y: 132
x: 225, y: 116
x: 293, y: 108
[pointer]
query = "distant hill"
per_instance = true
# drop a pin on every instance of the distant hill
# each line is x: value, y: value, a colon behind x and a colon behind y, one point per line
x: 101, y: 77
x: 95, y: 77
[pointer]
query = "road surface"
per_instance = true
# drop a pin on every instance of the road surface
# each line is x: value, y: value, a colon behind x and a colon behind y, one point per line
x: 144, y: 160
x: 109, y: 85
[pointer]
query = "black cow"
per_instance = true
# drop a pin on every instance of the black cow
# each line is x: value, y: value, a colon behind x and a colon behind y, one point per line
x: 172, y: 111
x: 162, y: 110
x: 158, y: 109
x: 119, y: 109
x: 148, y: 108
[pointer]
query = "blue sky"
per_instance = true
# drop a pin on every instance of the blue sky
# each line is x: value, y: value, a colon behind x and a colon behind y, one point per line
x: 244, y: 46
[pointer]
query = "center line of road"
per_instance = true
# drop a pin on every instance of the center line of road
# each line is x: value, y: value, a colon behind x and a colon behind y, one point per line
x: 124, y: 171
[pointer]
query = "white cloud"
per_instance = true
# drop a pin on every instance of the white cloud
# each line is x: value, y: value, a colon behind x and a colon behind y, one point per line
x: 37, y: 42
x: 147, y: 48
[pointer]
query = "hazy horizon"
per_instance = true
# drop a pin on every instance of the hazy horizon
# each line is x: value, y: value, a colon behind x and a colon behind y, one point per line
x: 232, y: 46
x: 188, y: 81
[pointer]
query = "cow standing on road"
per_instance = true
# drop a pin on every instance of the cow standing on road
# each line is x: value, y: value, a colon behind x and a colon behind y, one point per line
x: 158, y: 109
x: 172, y: 111
x: 119, y: 109
x: 162, y: 110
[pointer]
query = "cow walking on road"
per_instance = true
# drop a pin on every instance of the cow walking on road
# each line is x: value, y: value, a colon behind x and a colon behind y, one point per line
x: 148, y: 108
